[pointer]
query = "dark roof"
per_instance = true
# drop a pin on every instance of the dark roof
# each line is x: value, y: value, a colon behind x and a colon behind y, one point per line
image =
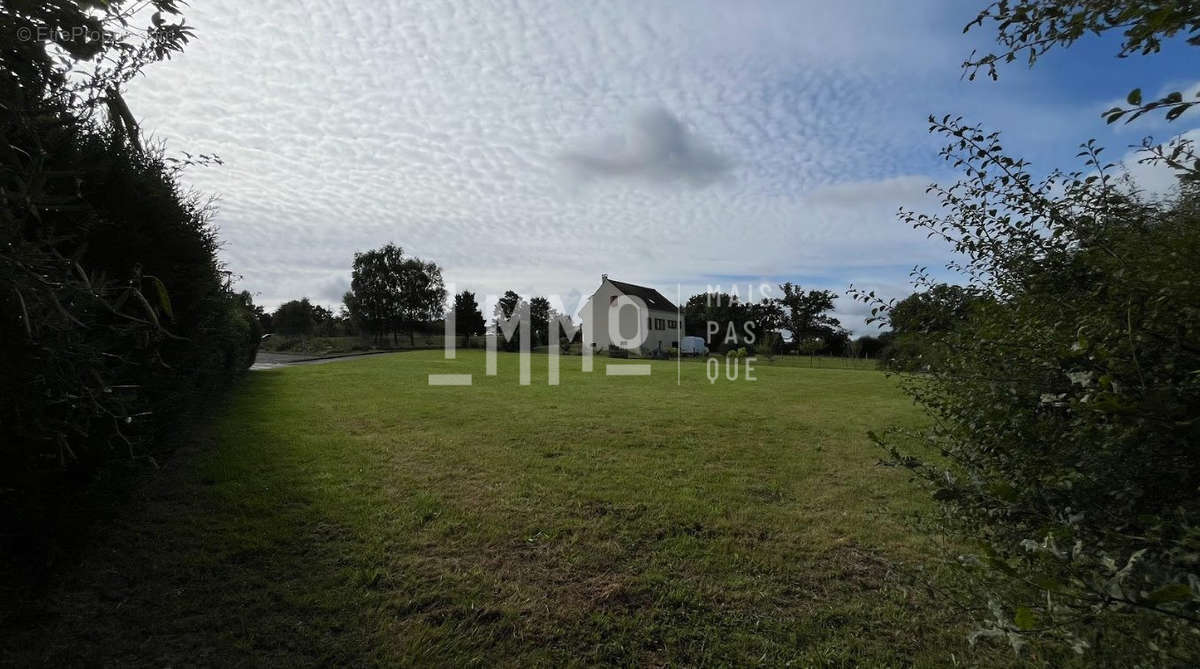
x: 651, y: 297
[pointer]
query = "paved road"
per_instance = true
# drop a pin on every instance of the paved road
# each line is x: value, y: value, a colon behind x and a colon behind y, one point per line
x: 269, y: 360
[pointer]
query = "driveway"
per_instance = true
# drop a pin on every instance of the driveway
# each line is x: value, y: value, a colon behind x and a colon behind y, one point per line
x: 271, y: 360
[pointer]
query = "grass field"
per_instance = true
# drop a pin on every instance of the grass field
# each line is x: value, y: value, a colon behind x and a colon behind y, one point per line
x: 350, y: 513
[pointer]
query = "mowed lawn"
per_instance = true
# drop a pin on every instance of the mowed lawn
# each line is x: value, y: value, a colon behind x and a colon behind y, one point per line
x: 351, y: 513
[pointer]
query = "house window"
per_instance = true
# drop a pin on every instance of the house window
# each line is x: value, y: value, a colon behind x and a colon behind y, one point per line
x: 658, y: 324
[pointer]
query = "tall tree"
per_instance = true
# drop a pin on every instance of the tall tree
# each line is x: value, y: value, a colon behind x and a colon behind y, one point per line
x: 562, y: 321
x: 539, y: 320
x: 805, y: 314
x: 722, y: 319
x: 374, y: 290
x: 938, y: 309
x: 324, y: 322
x: 468, y: 319
x: 298, y: 317
x: 913, y: 321
x: 768, y: 318
x: 391, y: 293
x: 506, y: 306
x: 422, y: 295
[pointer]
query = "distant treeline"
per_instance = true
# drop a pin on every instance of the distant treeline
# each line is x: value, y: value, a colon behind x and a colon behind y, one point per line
x: 395, y: 297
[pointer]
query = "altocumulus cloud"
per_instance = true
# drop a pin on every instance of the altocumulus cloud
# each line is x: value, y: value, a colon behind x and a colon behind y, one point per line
x: 656, y: 147
x: 448, y: 128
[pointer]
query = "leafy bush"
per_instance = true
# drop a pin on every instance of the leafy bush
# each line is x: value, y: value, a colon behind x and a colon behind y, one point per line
x: 1065, y: 408
x: 919, y: 316
x: 115, y: 315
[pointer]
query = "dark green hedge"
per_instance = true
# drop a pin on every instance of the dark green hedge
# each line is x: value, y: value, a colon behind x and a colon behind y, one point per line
x: 116, y: 316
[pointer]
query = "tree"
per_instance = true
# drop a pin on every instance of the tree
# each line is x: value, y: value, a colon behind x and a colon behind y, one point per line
x: 295, y: 318
x: 391, y: 293
x: 260, y: 314
x: 252, y: 314
x: 324, y: 323
x: 468, y: 319
x: 422, y: 295
x: 1030, y: 28
x: 809, y: 345
x: 768, y: 317
x: 539, y: 320
x: 562, y: 323
x: 938, y: 309
x: 835, y: 341
x: 346, y: 320
x: 941, y: 308
x: 374, y: 290
x: 804, y: 315
x: 868, y: 346
x: 1064, y: 406
x: 510, y: 303
x: 722, y: 319
x: 507, y: 304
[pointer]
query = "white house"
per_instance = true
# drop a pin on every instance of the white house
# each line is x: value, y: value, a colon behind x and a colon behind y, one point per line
x: 643, y: 314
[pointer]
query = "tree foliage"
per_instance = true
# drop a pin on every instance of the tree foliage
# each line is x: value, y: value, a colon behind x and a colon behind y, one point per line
x: 940, y: 308
x: 726, y: 313
x: 539, y: 320
x: 392, y: 293
x: 297, y: 317
x: 868, y: 346
x: 736, y: 324
x: 1064, y: 401
x: 468, y: 319
x: 509, y: 304
x: 805, y: 315
x: 1065, y: 405
x: 115, y: 314
x: 1028, y: 29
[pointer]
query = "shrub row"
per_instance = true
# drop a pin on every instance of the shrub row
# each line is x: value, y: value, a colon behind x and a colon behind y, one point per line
x: 116, y: 316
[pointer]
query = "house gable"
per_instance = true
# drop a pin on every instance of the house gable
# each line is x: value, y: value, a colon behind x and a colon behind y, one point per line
x: 660, y: 318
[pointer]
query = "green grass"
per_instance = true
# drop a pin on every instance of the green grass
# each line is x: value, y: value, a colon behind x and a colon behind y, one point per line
x: 350, y: 513
x: 807, y: 361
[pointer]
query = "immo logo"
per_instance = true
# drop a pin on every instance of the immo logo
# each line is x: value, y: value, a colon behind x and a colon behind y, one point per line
x: 622, y: 323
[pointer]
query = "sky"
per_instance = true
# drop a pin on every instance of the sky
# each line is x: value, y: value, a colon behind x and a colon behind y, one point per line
x: 534, y: 146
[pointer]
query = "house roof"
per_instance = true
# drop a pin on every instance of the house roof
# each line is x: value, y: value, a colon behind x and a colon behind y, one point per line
x: 653, y: 299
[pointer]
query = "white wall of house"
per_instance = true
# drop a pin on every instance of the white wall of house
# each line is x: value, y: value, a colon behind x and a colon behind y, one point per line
x: 664, y: 331
x: 660, y: 327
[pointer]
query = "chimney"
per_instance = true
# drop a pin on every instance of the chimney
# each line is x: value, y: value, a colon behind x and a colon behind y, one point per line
x: 604, y: 277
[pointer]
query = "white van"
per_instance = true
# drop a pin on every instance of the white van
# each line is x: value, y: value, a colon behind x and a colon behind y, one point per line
x: 693, y: 346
